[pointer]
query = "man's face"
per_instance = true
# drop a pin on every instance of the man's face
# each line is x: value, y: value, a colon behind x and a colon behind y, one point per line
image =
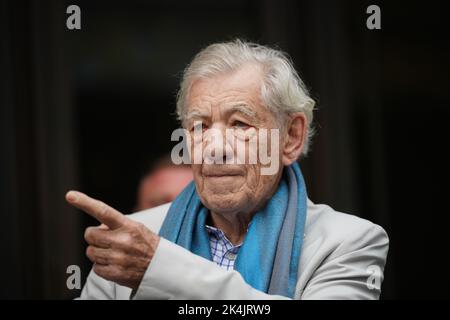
x: 231, y: 101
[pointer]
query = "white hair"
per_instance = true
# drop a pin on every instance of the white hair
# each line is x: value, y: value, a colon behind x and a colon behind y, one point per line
x: 282, y: 90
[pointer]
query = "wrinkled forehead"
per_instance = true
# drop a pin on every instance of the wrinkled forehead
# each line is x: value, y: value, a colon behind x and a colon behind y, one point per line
x: 242, y: 86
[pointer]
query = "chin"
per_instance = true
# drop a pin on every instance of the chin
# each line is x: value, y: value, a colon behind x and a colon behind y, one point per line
x: 225, y: 203
x: 224, y: 185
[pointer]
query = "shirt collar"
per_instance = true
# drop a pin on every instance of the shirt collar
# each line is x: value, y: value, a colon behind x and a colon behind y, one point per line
x: 220, y: 235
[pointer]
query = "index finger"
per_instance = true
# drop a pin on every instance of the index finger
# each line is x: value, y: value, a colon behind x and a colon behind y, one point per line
x: 96, y: 209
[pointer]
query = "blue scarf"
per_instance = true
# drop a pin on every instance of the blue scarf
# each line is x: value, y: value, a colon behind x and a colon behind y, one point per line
x: 268, y: 259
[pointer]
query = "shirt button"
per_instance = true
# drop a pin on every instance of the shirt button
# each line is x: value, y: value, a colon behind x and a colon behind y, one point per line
x: 230, y: 255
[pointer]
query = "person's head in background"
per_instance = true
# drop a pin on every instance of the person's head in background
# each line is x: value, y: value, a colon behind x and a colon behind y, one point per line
x: 162, y: 183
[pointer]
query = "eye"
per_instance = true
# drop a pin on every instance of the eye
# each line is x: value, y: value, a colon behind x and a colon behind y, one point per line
x: 240, y: 125
x: 198, y: 126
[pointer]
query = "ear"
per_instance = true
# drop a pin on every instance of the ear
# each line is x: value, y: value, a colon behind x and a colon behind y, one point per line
x: 294, y: 138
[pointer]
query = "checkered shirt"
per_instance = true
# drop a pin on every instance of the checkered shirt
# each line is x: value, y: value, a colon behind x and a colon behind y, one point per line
x: 223, y: 252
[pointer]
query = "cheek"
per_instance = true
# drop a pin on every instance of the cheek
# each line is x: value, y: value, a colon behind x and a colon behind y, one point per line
x: 198, y: 179
x: 259, y: 184
x: 253, y: 177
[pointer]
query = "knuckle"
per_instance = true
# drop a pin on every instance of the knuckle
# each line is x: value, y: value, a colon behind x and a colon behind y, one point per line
x: 138, y: 230
x: 88, y: 234
x: 103, y: 207
x: 129, y: 240
x: 122, y: 240
x: 121, y: 260
x: 127, y: 222
x: 104, y: 241
x: 141, y: 227
x: 134, y: 232
x: 115, y: 257
x: 89, y: 253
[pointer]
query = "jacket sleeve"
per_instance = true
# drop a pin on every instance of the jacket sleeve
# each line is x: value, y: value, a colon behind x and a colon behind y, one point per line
x: 354, y: 270
x: 97, y: 288
x: 176, y: 273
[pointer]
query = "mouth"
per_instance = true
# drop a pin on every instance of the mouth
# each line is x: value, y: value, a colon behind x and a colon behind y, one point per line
x: 222, y: 178
x: 221, y: 173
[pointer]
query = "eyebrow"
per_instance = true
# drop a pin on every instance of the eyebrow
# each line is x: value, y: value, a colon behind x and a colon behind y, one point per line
x: 239, y: 107
x: 242, y: 108
x: 196, y: 114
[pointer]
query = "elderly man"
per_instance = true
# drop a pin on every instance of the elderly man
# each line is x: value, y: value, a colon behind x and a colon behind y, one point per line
x: 237, y: 232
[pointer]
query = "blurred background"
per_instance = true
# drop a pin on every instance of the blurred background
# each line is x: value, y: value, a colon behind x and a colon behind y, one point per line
x: 93, y: 109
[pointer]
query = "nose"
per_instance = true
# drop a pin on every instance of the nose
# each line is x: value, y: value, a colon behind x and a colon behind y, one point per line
x: 218, y: 149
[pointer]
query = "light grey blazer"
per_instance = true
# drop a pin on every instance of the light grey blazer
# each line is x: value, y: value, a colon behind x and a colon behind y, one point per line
x: 342, y: 257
